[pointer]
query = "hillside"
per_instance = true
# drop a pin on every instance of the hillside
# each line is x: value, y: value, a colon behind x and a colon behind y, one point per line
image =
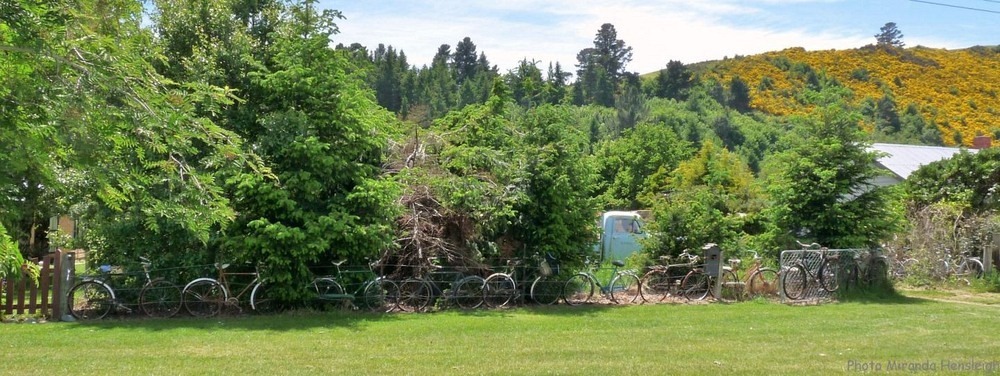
x: 954, y: 89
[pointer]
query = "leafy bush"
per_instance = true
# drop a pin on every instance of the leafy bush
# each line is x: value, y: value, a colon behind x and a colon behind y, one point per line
x: 989, y: 283
x: 10, y: 257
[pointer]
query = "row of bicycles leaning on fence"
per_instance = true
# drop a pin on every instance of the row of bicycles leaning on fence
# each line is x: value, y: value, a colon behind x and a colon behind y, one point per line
x: 95, y: 296
x: 813, y: 272
x: 817, y: 272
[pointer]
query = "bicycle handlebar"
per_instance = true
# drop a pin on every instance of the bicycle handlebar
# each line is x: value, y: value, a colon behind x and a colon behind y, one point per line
x: 812, y: 245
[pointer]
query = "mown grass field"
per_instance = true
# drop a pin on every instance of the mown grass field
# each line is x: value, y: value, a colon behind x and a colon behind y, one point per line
x: 743, y: 338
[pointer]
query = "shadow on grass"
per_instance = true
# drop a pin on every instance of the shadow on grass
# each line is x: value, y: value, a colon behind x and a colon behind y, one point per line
x: 292, y: 320
x: 878, y: 295
x: 308, y: 318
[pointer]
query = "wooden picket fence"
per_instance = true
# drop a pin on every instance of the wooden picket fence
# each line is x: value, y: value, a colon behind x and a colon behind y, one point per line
x: 25, y: 296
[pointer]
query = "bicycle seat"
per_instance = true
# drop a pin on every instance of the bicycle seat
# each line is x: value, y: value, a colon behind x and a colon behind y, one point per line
x: 338, y: 263
x: 618, y: 263
x: 221, y: 265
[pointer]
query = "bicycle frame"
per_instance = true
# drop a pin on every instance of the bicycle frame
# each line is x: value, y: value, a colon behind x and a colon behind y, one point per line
x: 658, y: 283
x: 226, y: 287
x: 331, y: 288
x: 202, y: 299
x: 961, y: 265
x: 580, y: 287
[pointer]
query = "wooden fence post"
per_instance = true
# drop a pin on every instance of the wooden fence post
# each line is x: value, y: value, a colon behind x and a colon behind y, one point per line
x: 64, y: 283
x: 989, y: 251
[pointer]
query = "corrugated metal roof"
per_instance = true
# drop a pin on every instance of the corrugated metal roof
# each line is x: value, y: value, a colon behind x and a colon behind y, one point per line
x: 902, y: 160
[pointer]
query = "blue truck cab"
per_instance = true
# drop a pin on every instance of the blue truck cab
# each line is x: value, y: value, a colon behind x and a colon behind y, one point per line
x: 620, y: 234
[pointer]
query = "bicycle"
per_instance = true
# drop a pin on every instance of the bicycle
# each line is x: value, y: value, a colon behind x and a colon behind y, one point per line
x: 93, y: 297
x: 375, y: 293
x: 465, y: 291
x: 795, y: 279
x: 659, y: 282
x: 869, y: 269
x: 205, y: 297
x: 158, y: 297
x: 963, y: 268
x: 756, y: 281
x: 622, y: 288
x: 500, y: 288
x: 546, y: 289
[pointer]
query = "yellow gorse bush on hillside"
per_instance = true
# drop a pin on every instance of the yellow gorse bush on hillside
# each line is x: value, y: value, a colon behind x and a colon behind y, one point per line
x: 956, y: 89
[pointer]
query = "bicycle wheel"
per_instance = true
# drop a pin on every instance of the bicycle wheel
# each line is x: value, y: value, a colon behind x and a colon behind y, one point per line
x: 204, y: 297
x: 852, y: 276
x: 971, y: 268
x: 160, y: 298
x: 794, y: 282
x: 579, y: 289
x: 375, y: 296
x: 329, y: 293
x: 763, y: 282
x: 261, y: 301
x: 545, y: 290
x: 468, y: 292
x: 830, y: 274
x: 414, y: 295
x: 732, y: 288
x: 90, y: 300
x: 499, y: 290
x: 696, y: 285
x: 327, y: 288
x: 941, y: 269
x: 655, y: 286
x: 625, y: 288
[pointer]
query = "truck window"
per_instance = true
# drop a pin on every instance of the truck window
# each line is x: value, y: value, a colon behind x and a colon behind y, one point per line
x: 626, y: 226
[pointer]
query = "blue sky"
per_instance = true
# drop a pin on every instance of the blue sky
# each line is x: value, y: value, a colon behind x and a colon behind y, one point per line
x: 658, y: 31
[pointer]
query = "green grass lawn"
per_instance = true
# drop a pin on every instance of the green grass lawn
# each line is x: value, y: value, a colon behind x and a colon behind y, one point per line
x: 744, y: 338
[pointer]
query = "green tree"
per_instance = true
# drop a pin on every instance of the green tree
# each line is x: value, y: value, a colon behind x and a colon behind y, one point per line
x: 821, y: 186
x: 889, y: 36
x: 631, y: 108
x: 465, y: 60
x: 673, y: 82
x: 971, y: 180
x: 390, y: 71
x: 739, y: 95
x: 325, y: 139
x: 611, y: 53
x: 526, y: 83
x: 709, y: 198
x: 556, y: 84
x: 600, y: 69
x: 629, y: 167
x: 10, y: 257
x: 557, y: 215
x: 87, y: 109
x: 437, y: 86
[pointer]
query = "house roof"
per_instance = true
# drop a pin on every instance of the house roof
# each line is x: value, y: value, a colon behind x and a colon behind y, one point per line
x: 902, y: 160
